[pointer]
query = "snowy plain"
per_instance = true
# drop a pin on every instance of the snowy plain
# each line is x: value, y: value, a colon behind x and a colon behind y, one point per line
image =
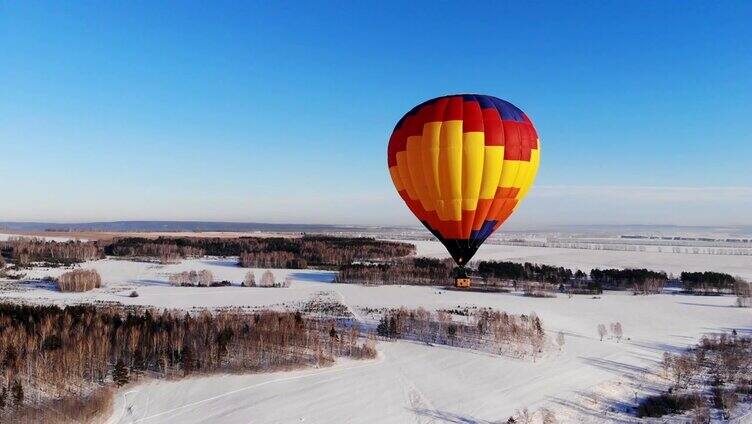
x: 412, y: 382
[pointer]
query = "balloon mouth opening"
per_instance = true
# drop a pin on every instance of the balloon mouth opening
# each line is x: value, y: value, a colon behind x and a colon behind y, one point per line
x: 460, y: 250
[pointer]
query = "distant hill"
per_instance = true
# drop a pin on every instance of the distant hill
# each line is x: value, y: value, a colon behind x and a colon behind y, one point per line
x: 174, y: 226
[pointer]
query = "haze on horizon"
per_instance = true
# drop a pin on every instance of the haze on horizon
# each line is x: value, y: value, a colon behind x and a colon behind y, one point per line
x: 262, y: 114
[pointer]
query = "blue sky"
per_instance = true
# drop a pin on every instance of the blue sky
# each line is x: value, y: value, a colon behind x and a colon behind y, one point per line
x: 281, y: 112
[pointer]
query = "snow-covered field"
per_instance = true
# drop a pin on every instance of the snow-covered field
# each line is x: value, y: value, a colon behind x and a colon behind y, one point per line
x: 585, y: 259
x: 412, y: 382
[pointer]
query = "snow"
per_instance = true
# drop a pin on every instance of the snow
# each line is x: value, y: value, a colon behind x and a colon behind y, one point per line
x: 150, y: 280
x: 416, y: 382
x: 586, y: 259
x: 412, y: 382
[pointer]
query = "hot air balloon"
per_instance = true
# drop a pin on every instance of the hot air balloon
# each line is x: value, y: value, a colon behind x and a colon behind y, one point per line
x: 462, y: 163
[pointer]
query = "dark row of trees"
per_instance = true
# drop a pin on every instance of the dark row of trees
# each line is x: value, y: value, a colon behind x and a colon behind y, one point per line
x: 51, y: 352
x: 143, y: 248
x: 708, y: 282
x: 500, y: 270
x: 628, y: 278
x: 24, y: 251
x: 419, y: 271
x: 271, y: 252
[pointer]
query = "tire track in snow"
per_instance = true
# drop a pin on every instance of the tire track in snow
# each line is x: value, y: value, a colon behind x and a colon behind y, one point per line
x: 380, y: 359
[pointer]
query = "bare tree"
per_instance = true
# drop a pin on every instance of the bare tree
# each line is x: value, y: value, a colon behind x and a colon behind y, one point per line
x: 524, y: 416
x: 617, y: 331
x: 267, y: 279
x: 250, y: 279
x: 192, y: 278
x: 602, y: 331
x: 547, y: 416
x: 205, y: 277
x: 287, y: 281
x: 743, y: 291
x: 560, y: 339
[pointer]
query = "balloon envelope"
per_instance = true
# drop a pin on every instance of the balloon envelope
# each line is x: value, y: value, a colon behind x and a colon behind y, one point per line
x: 463, y: 163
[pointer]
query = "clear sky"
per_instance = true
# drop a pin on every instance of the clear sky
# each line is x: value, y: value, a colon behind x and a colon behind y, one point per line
x: 281, y: 112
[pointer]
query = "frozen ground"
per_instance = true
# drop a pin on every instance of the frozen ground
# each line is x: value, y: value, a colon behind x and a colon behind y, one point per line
x: 411, y: 382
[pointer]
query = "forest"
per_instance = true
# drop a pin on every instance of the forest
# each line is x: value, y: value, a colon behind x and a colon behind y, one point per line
x: 707, y: 282
x: 418, y: 271
x: 49, y: 354
x: 499, y: 270
x: 623, y: 279
x: 24, y: 251
x: 272, y: 252
x: 276, y: 259
x: 485, y: 330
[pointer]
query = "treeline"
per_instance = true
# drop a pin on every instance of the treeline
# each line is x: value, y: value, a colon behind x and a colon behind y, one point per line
x: 48, y: 353
x: 500, y: 270
x: 418, y: 271
x: 484, y: 330
x: 708, y: 282
x: 24, y: 251
x: 144, y: 248
x: 623, y: 279
x: 270, y: 252
x: 276, y: 259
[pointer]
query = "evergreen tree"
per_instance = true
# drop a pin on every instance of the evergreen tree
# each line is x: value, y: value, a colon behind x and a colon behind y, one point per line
x: 3, y: 398
x: 189, y: 361
x: 18, y: 393
x: 138, y: 361
x: 392, y: 327
x: 120, y: 374
x: 538, y: 326
x: 383, y: 328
